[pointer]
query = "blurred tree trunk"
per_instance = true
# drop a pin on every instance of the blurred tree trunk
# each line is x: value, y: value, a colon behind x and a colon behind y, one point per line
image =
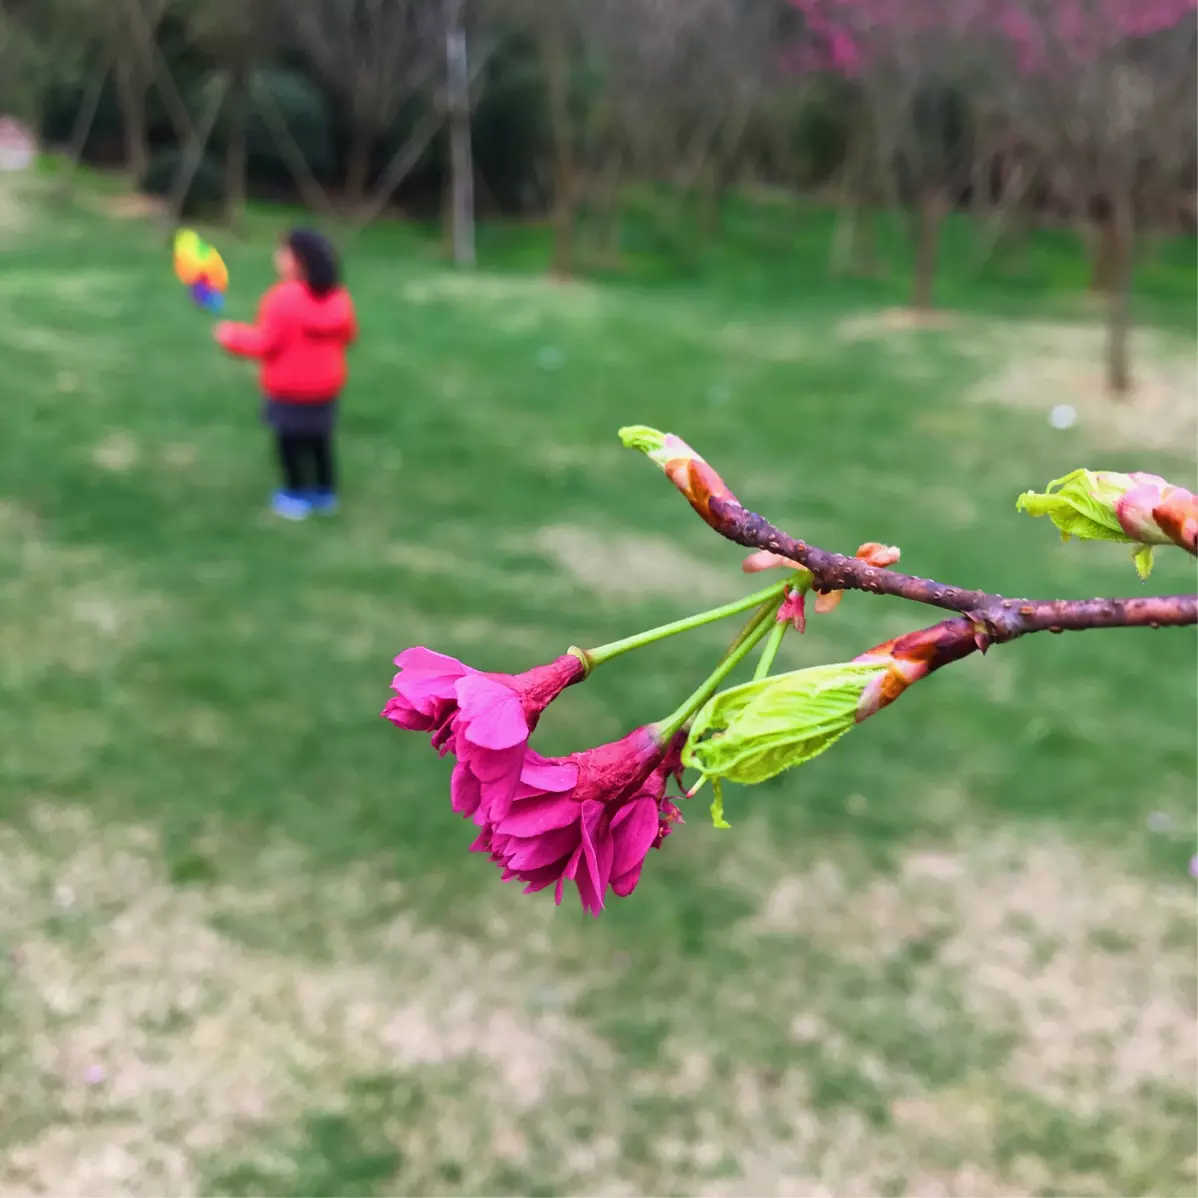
x: 238, y: 108
x: 193, y: 152
x: 854, y: 248
x: 461, y: 158
x: 1104, y: 255
x: 555, y: 62
x: 1009, y: 225
x: 1122, y: 250
x: 132, y: 87
x: 85, y: 117
x: 357, y: 166
x: 607, y: 211
x: 930, y: 218
x: 714, y: 185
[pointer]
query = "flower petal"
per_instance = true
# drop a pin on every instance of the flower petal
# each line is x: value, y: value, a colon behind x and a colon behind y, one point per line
x: 498, y: 794
x: 534, y: 817
x: 597, y: 849
x: 465, y: 794
x: 535, y: 852
x: 546, y: 774
x: 794, y: 609
x: 490, y: 712
x: 873, y: 553
x: 403, y: 715
x: 763, y: 559
x: 539, y: 879
x: 491, y: 765
x: 418, y: 658
x: 633, y: 831
x: 624, y: 884
x: 569, y: 872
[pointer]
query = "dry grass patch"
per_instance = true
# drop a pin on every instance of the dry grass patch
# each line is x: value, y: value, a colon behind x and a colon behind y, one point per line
x: 868, y: 326
x: 631, y: 566
x: 538, y: 296
x: 118, y: 453
x: 131, y: 206
x: 1091, y: 969
x: 78, y: 288
x: 1042, y: 365
x: 765, y: 342
x: 14, y: 206
x: 139, y: 1040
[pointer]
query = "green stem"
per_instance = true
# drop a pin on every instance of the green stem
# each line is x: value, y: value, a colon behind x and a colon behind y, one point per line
x: 752, y: 623
x: 760, y: 624
x: 596, y: 657
x: 772, y: 645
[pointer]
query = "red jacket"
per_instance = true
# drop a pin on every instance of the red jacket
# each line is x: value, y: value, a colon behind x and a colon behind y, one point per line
x: 301, y: 340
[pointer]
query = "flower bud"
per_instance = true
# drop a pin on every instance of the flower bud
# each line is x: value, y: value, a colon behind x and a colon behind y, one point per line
x: 1138, y: 508
x: 683, y: 467
x: 753, y: 731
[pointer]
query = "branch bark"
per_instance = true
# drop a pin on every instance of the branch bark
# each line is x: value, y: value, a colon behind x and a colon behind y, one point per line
x: 1006, y: 618
x: 996, y: 617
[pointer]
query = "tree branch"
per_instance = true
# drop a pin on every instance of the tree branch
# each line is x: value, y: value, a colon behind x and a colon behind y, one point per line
x: 998, y: 618
x: 1007, y: 618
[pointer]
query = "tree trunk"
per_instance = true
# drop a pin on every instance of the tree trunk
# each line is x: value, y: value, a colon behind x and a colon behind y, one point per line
x: 931, y: 214
x: 1118, y: 355
x: 238, y: 102
x: 1007, y: 227
x: 193, y: 153
x: 607, y: 212
x: 843, y: 250
x: 310, y: 188
x: 854, y: 249
x: 131, y: 90
x: 1104, y: 256
x: 712, y: 187
x: 85, y: 117
x: 402, y: 163
x: 357, y: 167
x: 461, y: 158
x: 556, y: 65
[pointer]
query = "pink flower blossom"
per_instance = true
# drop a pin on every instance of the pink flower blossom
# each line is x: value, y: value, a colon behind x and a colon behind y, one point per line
x: 589, y: 818
x: 485, y: 720
x: 794, y: 609
x: 1152, y: 510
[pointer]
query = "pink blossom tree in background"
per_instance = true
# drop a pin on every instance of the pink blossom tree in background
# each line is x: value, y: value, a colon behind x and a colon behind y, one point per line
x: 1102, y: 91
x: 916, y: 65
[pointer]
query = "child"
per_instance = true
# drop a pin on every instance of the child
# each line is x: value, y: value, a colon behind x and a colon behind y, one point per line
x: 305, y: 323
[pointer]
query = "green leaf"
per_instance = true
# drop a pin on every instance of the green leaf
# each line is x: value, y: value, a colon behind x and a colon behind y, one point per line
x: 641, y: 436
x: 1081, y: 504
x: 1143, y: 559
x: 717, y: 805
x: 756, y: 730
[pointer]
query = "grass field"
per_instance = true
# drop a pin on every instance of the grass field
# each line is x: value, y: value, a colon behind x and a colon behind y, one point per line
x: 245, y: 950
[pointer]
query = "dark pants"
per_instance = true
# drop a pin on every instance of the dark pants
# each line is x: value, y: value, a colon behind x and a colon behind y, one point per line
x: 306, y: 461
x: 304, y: 442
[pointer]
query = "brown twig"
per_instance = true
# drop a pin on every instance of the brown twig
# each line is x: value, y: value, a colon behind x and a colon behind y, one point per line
x: 1005, y: 618
x: 995, y: 618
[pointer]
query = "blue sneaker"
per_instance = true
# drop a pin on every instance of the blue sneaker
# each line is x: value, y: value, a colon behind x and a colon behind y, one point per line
x: 290, y: 506
x: 324, y: 502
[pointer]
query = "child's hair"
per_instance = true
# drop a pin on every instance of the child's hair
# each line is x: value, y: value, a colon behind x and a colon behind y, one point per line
x: 317, y: 260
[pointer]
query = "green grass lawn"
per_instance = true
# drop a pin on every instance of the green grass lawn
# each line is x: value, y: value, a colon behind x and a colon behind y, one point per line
x: 244, y: 947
